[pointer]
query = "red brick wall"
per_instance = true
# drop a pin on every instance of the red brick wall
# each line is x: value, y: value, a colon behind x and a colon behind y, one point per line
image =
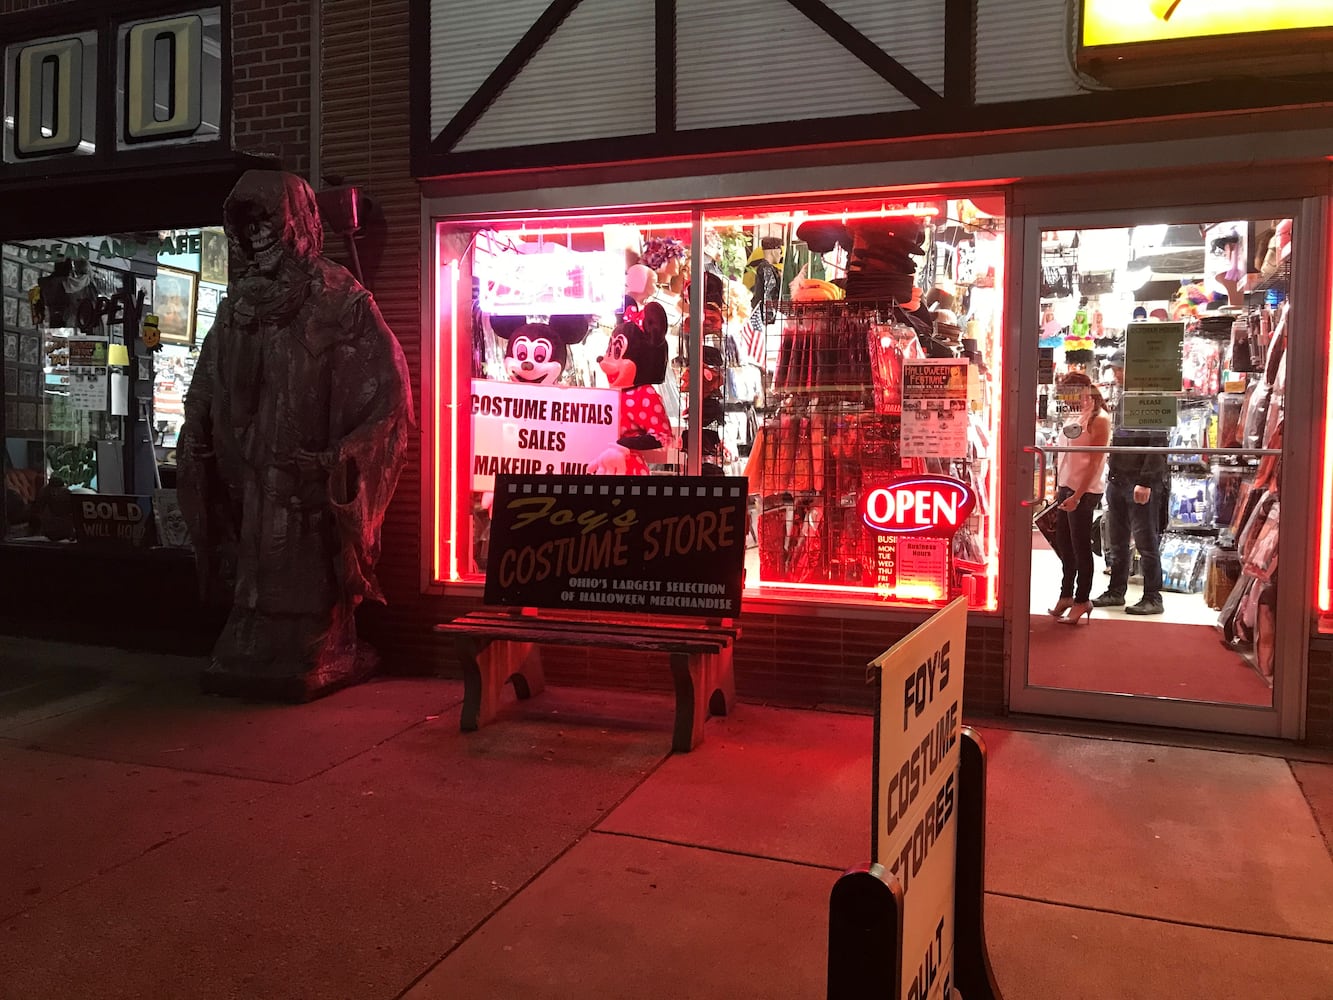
x: 271, y: 67
x: 364, y: 141
x: 1319, y: 695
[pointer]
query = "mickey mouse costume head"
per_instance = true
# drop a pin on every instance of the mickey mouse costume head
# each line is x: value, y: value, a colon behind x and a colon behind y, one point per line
x: 635, y: 362
x: 536, y: 353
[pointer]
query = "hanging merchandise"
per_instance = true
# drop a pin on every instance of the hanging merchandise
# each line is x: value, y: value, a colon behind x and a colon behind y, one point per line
x: 1230, y: 409
x: 1255, y: 417
x: 1260, y: 549
x: 1193, y: 429
x: 1191, y: 502
x: 1183, y: 563
x: 1228, y: 481
x: 1201, y: 366
x: 1244, y: 356
x: 1222, y: 570
x: 890, y: 344
x: 1079, y: 346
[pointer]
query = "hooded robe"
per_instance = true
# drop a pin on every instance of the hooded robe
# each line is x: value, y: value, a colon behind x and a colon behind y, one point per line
x: 295, y: 432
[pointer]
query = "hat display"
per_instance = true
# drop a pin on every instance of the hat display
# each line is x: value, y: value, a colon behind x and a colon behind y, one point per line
x: 822, y: 237
x: 882, y: 266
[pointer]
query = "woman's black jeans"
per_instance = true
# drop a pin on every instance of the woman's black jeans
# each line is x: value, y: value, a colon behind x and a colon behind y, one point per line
x: 1075, y: 528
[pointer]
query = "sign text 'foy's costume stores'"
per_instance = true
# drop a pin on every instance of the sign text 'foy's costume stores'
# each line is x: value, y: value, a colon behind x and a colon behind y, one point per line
x: 653, y: 545
x: 916, y: 792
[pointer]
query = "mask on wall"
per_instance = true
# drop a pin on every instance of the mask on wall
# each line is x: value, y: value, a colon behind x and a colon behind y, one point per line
x: 536, y: 353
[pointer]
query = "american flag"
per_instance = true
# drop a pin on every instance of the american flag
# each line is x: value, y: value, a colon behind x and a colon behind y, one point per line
x: 753, y: 339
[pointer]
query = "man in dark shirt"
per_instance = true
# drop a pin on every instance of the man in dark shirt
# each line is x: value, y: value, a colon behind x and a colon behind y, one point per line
x: 1135, y: 502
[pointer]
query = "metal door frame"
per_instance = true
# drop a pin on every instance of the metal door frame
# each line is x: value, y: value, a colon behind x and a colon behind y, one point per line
x: 1300, y: 471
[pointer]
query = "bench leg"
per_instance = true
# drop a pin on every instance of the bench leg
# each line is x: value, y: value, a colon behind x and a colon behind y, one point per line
x: 704, y: 685
x: 721, y: 684
x: 487, y: 665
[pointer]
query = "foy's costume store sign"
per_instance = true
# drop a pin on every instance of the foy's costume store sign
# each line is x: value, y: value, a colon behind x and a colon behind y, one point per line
x: 532, y: 430
x: 668, y: 545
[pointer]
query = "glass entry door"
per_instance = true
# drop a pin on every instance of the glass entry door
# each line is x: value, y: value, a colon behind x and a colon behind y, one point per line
x: 1160, y: 353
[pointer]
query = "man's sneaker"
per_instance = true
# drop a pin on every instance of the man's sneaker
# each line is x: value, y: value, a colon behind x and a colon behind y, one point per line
x: 1109, y: 600
x: 1147, y: 606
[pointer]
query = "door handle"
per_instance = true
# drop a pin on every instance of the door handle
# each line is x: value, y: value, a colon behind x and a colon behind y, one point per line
x: 1041, y: 467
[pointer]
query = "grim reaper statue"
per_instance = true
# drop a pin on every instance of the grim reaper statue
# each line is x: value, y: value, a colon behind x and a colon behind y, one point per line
x: 295, y: 431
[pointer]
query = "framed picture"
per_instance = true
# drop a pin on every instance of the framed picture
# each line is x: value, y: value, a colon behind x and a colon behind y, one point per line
x: 28, y: 352
x: 11, y: 318
x: 27, y: 416
x: 11, y: 381
x: 28, y: 385
x: 11, y: 342
x: 174, y: 302
x: 209, y: 297
x: 213, y: 256
x: 30, y: 278
x: 203, y: 326
x: 12, y: 274
x: 11, y: 415
x: 106, y: 281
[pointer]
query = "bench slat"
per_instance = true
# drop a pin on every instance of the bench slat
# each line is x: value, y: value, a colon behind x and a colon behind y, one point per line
x: 602, y: 638
x: 503, y: 620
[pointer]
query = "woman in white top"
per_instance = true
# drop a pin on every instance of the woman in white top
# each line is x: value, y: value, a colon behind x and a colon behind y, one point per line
x: 1080, y: 480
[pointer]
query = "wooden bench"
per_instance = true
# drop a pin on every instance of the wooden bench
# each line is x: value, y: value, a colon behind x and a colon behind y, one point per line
x: 498, y: 646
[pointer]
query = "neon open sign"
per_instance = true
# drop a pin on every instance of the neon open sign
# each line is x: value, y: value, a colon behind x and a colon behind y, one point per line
x: 930, y: 506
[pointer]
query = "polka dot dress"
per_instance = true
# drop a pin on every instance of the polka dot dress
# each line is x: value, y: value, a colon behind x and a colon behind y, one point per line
x: 642, y: 412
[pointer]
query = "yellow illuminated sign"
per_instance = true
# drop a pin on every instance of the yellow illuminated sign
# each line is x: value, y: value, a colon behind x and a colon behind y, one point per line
x: 1128, y: 22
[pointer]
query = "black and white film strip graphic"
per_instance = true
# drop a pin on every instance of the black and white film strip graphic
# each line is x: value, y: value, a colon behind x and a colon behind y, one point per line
x: 649, y: 489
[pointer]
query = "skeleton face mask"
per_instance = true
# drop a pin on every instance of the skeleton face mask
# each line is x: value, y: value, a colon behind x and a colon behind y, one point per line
x: 270, y: 216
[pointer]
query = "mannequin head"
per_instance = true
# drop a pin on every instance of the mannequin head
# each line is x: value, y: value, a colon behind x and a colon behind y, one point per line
x: 640, y: 283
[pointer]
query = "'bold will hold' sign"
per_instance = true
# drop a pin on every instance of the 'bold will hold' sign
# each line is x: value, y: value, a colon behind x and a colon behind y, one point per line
x: 112, y: 520
x: 654, y: 545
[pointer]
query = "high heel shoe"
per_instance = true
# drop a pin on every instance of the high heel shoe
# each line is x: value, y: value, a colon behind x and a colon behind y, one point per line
x: 1076, y: 612
x: 1061, y: 606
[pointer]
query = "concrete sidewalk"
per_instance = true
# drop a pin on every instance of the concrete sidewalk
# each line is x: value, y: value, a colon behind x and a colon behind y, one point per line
x: 158, y: 843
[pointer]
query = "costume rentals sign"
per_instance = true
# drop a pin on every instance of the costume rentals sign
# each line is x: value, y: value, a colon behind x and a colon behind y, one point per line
x: 647, y: 544
x: 916, y: 791
x: 531, y: 430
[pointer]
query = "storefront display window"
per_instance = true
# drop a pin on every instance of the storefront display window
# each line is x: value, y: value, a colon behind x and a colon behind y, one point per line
x: 851, y: 367
x: 100, y: 338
